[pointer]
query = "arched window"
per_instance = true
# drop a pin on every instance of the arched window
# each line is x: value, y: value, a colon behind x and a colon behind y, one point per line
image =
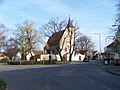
x: 65, y: 49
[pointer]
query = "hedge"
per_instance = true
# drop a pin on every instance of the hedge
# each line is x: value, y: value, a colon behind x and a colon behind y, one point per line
x: 31, y: 62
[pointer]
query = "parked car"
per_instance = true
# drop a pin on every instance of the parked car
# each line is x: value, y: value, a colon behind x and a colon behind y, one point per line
x: 85, y: 60
x: 117, y: 61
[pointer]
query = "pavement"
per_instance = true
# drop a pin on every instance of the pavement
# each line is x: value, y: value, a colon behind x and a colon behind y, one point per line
x: 113, y: 69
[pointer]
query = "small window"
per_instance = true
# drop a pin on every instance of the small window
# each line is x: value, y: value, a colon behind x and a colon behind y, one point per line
x: 79, y: 57
x: 65, y: 49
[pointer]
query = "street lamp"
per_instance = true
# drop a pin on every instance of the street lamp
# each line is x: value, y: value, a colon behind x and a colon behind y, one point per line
x: 99, y: 46
x: 99, y: 41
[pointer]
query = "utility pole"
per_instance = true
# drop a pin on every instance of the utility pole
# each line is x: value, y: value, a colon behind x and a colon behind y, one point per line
x: 100, y: 62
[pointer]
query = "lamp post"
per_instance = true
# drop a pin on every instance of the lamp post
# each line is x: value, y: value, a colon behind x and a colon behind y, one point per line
x: 99, y: 43
x: 100, y: 62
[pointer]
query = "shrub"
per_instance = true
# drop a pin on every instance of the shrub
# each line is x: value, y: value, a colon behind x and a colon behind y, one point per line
x: 22, y: 62
x: 31, y: 62
x: 2, y: 85
x: 4, y: 59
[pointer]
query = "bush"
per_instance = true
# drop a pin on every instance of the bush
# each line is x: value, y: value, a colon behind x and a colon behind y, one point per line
x: 2, y: 85
x: 31, y: 62
x: 4, y: 59
x: 22, y: 62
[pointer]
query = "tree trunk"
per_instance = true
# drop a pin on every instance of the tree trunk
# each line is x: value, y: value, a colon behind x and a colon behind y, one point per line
x: 23, y: 57
x: 60, y: 56
x: 70, y: 58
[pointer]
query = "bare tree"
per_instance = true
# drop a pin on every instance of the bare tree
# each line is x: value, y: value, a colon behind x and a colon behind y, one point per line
x: 116, y: 28
x: 84, y: 43
x: 53, y: 25
x: 11, y: 48
x: 118, y: 13
x: 26, y: 37
x: 3, y: 29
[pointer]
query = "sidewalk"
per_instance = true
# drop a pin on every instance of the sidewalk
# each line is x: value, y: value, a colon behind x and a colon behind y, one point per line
x: 111, y: 69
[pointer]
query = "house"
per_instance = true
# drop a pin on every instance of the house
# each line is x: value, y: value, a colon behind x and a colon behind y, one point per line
x: 86, y: 53
x: 96, y: 55
x: 112, y: 50
x: 78, y: 55
x: 18, y: 56
x: 29, y: 55
x: 2, y: 55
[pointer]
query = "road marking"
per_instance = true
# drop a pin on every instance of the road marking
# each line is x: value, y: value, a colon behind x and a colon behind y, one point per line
x: 71, y: 70
x: 89, y: 79
x: 48, y: 87
x: 106, y: 87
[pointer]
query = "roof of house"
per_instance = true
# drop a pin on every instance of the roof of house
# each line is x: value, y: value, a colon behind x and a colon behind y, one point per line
x: 113, y: 44
x: 55, y: 38
x: 81, y: 51
x: 95, y: 52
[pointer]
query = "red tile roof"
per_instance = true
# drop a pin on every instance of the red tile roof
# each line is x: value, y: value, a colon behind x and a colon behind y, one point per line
x: 36, y: 51
x: 81, y: 51
x: 55, y: 38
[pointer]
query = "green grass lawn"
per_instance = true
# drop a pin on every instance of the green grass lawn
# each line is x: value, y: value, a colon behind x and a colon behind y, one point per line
x: 2, y: 84
x: 62, y: 62
x: 3, y: 64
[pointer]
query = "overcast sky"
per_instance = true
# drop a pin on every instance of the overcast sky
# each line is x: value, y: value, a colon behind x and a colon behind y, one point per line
x: 93, y: 16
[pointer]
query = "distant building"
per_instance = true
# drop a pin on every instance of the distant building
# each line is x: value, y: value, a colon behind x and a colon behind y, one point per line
x: 18, y: 56
x: 2, y: 55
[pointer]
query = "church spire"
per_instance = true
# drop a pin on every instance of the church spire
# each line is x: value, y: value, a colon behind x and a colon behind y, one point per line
x: 70, y: 24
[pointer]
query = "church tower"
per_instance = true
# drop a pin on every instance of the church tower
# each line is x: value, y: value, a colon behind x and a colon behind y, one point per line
x: 70, y: 24
x: 70, y: 27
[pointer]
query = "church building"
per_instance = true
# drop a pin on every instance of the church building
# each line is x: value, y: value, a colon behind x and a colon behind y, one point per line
x: 62, y: 42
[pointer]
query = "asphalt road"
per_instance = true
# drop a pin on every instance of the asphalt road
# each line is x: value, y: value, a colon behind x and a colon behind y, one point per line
x: 64, y: 77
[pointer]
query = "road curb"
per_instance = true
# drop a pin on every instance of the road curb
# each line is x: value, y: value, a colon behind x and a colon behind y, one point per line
x: 112, y: 72
x: 111, y: 69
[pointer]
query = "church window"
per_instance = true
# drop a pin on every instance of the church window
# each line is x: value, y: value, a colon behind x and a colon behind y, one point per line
x: 65, y: 49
